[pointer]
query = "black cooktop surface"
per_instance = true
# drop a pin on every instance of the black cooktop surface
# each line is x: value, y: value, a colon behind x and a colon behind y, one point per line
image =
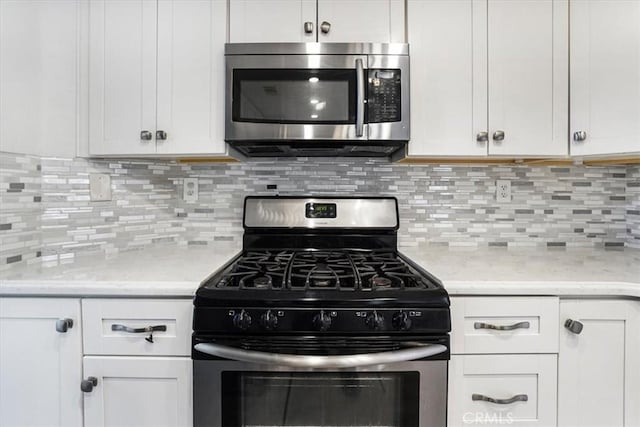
x: 305, y: 276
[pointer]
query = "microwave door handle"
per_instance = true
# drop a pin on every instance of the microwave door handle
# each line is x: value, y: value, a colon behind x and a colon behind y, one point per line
x: 321, y: 362
x: 359, y: 97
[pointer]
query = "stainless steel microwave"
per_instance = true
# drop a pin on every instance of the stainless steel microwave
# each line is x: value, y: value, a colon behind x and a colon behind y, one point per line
x: 317, y: 99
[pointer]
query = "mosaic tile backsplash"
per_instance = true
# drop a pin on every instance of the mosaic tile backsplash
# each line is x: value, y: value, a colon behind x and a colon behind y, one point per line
x: 439, y: 205
x: 633, y: 207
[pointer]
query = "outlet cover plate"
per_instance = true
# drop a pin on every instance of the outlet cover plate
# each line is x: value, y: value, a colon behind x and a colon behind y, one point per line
x: 100, y: 187
x: 503, y: 191
x: 190, y: 190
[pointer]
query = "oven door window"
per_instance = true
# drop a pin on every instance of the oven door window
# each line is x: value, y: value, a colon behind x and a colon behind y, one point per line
x: 320, y: 399
x: 294, y: 96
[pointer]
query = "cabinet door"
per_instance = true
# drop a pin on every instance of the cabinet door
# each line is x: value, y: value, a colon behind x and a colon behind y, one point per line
x: 122, y: 70
x: 191, y: 37
x: 40, y: 368
x: 448, y: 77
x: 271, y: 21
x: 599, y: 376
x: 374, y: 21
x: 523, y: 385
x: 605, y: 76
x: 38, y: 77
x: 528, y: 83
x: 139, y: 391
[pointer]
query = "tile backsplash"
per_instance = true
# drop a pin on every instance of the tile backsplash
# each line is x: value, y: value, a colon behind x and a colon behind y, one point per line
x: 562, y: 206
x: 633, y: 206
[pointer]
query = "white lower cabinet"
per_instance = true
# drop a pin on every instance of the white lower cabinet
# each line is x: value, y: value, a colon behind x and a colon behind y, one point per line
x: 503, y: 389
x: 599, y: 368
x: 40, y: 362
x: 138, y: 391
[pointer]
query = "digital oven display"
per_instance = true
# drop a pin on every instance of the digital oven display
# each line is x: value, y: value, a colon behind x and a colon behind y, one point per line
x: 321, y: 210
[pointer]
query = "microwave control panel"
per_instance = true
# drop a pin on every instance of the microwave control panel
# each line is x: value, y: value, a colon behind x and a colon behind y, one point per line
x: 384, y: 96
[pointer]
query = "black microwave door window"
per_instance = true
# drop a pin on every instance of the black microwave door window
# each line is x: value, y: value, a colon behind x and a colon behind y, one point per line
x: 320, y: 399
x: 294, y: 96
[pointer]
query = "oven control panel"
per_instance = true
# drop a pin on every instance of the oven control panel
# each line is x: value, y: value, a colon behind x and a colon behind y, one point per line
x: 320, y: 210
x: 310, y: 320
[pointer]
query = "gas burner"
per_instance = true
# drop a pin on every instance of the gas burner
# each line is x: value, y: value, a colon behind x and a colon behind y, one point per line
x: 322, y: 270
x: 380, y: 282
x: 257, y: 282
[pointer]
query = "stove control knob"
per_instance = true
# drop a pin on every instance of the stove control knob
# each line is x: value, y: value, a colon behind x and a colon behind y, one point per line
x: 269, y: 321
x: 374, y: 321
x: 322, y: 321
x: 242, y: 320
x: 401, y: 321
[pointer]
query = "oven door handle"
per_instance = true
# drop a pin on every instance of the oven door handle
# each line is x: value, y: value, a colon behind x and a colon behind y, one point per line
x: 321, y: 362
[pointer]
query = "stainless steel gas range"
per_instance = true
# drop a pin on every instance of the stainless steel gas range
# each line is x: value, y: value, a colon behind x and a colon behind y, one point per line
x: 321, y: 322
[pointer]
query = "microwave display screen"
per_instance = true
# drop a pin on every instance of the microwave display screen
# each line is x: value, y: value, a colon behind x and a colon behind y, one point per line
x: 294, y: 96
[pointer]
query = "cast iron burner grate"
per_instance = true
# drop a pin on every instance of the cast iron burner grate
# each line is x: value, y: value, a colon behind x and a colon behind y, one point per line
x: 320, y: 270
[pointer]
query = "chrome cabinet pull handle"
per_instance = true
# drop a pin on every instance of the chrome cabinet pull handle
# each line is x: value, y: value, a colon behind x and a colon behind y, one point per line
x: 88, y: 384
x: 62, y: 325
x: 498, y: 135
x: 482, y: 136
x: 516, y: 398
x: 308, y: 27
x: 520, y: 325
x: 579, y: 136
x: 149, y: 329
x: 325, y: 27
x: 145, y: 135
x: 161, y: 135
x: 573, y: 326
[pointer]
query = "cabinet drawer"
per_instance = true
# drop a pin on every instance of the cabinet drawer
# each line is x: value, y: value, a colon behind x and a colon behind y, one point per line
x: 504, y: 325
x: 524, y: 387
x: 100, y: 315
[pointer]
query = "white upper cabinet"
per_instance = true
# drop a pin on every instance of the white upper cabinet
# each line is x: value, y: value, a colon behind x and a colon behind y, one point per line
x: 122, y: 75
x: 281, y: 21
x: 190, y: 103
x: 272, y: 21
x: 488, y: 77
x: 448, y: 77
x: 605, y: 77
x: 528, y: 85
x: 156, y: 73
x: 38, y: 76
x: 375, y: 21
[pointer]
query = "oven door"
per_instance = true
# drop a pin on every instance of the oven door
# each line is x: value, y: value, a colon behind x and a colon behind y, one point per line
x: 295, y: 97
x: 241, y: 394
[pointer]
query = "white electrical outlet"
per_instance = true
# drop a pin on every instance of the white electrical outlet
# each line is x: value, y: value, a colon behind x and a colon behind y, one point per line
x: 190, y: 190
x: 503, y: 191
x: 99, y: 187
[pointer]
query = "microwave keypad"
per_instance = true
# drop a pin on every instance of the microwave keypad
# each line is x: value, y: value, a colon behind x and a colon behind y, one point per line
x: 384, y: 96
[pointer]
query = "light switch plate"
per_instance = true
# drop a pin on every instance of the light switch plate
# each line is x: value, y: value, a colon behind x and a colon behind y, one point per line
x: 190, y: 190
x: 100, y: 187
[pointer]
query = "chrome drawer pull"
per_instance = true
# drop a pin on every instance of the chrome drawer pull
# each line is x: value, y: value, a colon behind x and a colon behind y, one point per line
x: 150, y: 329
x: 516, y: 398
x: 520, y: 325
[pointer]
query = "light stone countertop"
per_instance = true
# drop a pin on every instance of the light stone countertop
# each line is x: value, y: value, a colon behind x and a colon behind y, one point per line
x: 563, y: 272
x: 177, y: 271
x: 163, y: 271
